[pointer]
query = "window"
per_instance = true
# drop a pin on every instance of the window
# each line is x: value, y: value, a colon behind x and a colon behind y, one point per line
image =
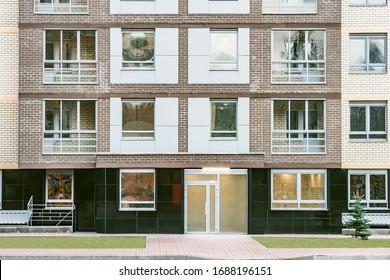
x: 289, y: 6
x: 367, y: 53
x: 223, y: 118
x: 370, y: 184
x: 59, y: 188
x: 298, y: 190
x: 137, y: 190
x: 61, y: 6
x: 70, y: 126
x: 367, y: 121
x: 298, y: 126
x: 367, y: 2
x: 137, y: 118
x: 70, y: 57
x: 223, y: 52
x: 138, y: 49
x: 298, y: 56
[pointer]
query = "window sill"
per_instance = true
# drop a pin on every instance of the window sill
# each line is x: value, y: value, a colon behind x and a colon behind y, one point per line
x: 138, y: 69
x: 138, y: 139
x: 368, y: 5
x: 298, y: 83
x: 233, y: 139
x: 223, y: 70
x: 368, y: 73
x: 367, y: 141
x: 137, y: 209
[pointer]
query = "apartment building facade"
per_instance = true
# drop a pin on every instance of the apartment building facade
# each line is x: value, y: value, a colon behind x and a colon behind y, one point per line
x: 173, y: 116
x: 365, y: 101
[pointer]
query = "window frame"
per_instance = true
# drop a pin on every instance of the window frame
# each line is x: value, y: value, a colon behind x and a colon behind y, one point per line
x: 154, y: 208
x: 214, y: 131
x: 139, y: 131
x: 306, y: 61
x: 365, y: 4
x: 368, y: 132
x: 153, y: 63
x: 58, y: 202
x: 76, y: 61
x: 366, y: 201
x: 298, y: 201
x: 303, y: 131
x: 218, y: 65
x: 61, y: 131
x: 367, y: 65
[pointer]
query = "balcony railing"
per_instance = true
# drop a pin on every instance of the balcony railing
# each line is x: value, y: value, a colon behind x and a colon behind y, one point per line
x: 298, y: 142
x: 56, y: 142
x: 289, y: 7
x: 298, y: 72
x: 70, y: 72
x: 54, y: 7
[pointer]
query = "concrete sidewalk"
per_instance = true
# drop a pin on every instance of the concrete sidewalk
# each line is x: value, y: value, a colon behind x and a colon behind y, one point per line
x: 197, y: 246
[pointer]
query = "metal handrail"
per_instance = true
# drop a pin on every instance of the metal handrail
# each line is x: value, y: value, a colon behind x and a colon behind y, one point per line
x: 30, y: 207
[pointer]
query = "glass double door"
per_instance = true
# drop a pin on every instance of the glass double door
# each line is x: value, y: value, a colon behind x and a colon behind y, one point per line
x: 201, y: 207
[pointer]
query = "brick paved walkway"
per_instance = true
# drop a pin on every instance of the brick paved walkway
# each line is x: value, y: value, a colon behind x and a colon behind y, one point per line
x: 194, y: 246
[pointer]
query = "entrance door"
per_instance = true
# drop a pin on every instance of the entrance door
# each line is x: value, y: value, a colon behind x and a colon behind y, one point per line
x: 201, y: 207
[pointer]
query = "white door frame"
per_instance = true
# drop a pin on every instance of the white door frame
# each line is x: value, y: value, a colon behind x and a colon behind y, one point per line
x: 207, y: 185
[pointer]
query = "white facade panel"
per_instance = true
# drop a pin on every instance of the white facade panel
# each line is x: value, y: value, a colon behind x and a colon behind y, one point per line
x: 198, y: 139
x: 218, y: 7
x: 221, y: 147
x: 198, y: 41
x: 115, y: 70
x: 167, y: 41
x: 116, y: 42
x: 137, y: 77
x: 138, y: 146
x: 198, y: 69
x: 167, y: 6
x: 199, y: 112
x: 115, y: 111
x: 243, y: 110
x: 243, y: 41
x: 243, y: 139
x: 223, y: 77
x: 167, y: 69
x: 144, y: 7
x: 167, y: 139
x: 166, y: 111
x: 115, y: 138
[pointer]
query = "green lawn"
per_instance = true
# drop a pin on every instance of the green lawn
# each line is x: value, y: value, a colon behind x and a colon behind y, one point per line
x: 72, y: 242
x: 281, y: 242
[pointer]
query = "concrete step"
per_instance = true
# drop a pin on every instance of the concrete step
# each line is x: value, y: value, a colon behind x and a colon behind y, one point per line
x: 35, y: 229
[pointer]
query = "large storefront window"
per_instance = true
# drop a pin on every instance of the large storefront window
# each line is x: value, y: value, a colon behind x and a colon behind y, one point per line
x: 137, y: 190
x: 298, y: 190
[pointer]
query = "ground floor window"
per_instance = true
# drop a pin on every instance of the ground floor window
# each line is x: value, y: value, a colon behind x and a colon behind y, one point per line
x: 371, y: 184
x: 137, y: 190
x: 59, y: 188
x: 298, y: 190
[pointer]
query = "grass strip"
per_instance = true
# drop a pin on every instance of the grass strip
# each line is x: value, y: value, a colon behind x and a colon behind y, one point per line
x: 281, y: 242
x: 72, y: 242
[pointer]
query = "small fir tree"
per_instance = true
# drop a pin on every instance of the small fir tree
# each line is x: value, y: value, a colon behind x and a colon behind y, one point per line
x: 359, y: 222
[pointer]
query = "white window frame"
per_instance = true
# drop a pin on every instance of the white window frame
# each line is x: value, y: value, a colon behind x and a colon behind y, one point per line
x: 305, y: 61
x: 139, y: 131
x: 50, y: 8
x: 137, y: 202
x: 366, y: 3
x: 294, y: 8
x: 298, y: 173
x: 58, y: 62
x: 303, y: 131
x: 368, y: 131
x: 218, y: 65
x: 214, y: 131
x: 367, y: 38
x: 58, y: 132
x: 56, y: 201
x: 366, y: 200
x: 153, y: 62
